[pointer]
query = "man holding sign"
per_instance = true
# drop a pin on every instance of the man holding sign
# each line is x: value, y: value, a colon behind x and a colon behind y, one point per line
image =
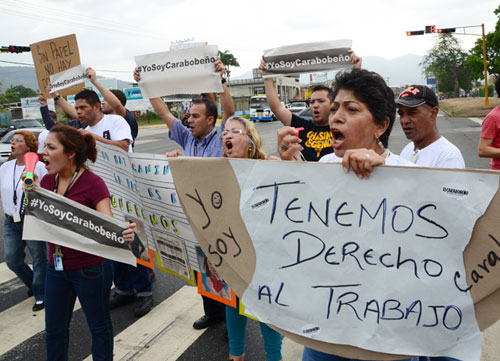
x: 316, y: 137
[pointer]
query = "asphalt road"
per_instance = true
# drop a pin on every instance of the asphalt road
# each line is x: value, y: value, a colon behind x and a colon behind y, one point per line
x: 211, y: 345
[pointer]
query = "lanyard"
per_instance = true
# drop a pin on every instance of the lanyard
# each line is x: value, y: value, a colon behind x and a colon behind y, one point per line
x: 58, y: 252
x: 415, y: 156
x: 14, y: 185
x: 70, y: 183
x: 195, y: 148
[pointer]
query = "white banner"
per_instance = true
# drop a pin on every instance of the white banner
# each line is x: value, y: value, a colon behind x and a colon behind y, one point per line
x: 307, y: 58
x: 185, y: 71
x: 31, y: 107
x: 68, y: 78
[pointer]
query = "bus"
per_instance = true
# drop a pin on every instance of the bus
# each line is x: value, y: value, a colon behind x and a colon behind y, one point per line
x: 259, y: 109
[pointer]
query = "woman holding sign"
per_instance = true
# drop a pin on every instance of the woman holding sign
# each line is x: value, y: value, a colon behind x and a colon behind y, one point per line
x: 73, y: 273
x: 361, y: 119
x: 12, y: 202
x: 241, y: 140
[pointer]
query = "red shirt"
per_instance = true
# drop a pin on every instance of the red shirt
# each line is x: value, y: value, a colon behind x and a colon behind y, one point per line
x: 88, y: 190
x: 491, y: 130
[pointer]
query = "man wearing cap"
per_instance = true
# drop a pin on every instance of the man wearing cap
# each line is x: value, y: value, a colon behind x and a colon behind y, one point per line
x: 418, y: 109
x: 489, y: 143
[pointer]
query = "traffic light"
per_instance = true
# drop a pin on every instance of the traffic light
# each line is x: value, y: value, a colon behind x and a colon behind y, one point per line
x: 446, y: 30
x: 14, y: 49
x: 417, y: 32
x: 430, y: 29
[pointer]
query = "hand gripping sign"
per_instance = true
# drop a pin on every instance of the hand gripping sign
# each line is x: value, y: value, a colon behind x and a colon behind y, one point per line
x: 369, y: 269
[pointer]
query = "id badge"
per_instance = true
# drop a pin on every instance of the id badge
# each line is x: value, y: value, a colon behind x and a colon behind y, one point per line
x: 16, y: 217
x: 58, y: 265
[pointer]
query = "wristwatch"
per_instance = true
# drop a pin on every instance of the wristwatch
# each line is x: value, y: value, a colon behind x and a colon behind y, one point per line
x: 223, y: 80
x: 57, y: 97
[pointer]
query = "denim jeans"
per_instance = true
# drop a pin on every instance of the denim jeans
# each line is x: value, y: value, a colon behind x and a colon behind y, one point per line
x: 14, y: 254
x: 237, y: 329
x: 92, y: 286
x: 130, y: 280
x: 313, y: 355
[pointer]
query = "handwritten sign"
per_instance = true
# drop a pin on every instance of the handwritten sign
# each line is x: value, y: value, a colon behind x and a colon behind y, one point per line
x: 307, y: 58
x: 185, y: 71
x: 54, y: 56
x: 349, y: 266
x: 142, y: 190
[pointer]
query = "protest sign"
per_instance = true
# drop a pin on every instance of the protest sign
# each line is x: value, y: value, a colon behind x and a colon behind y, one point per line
x: 53, y: 56
x: 69, y: 78
x: 53, y: 218
x: 31, y: 107
x: 185, y: 71
x: 142, y: 189
x: 307, y: 58
x: 135, y: 100
x: 360, y: 268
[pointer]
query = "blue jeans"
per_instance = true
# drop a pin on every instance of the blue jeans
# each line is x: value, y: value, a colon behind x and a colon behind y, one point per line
x: 130, y: 280
x: 14, y: 254
x: 237, y: 328
x: 313, y: 355
x: 92, y: 286
x: 440, y: 358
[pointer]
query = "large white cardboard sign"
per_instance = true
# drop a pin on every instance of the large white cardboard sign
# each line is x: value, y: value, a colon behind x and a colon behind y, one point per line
x: 185, y: 71
x: 376, y: 264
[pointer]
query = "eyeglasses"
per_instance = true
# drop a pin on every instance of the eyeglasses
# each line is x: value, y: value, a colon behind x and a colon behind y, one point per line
x: 17, y: 140
x: 232, y: 132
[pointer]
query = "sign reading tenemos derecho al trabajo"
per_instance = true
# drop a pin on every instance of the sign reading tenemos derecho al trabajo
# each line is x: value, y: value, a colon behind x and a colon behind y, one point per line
x: 368, y: 269
x: 185, y: 71
x: 307, y: 58
x: 54, y: 56
x: 52, y: 217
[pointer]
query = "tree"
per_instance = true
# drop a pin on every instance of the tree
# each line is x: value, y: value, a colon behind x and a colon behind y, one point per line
x: 475, y: 58
x: 446, y: 61
x: 15, y: 93
x: 228, y: 59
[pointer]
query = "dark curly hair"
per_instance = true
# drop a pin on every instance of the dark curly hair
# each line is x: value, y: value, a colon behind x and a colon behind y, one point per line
x: 371, y: 89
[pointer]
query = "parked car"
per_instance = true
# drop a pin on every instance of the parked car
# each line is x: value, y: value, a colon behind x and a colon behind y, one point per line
x: 19, y: 124
x: 297, y: 107
x: 5, y: 149
x: 306, y: 114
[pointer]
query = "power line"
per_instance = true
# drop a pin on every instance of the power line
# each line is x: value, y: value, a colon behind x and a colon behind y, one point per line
x: 31, y: 65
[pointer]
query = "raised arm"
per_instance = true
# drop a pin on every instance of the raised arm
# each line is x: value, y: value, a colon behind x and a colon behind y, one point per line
x: 283, y: 114
x: 108, y: 96
x: 225, y: 97
x: 63, y: 103
x: 44, y: 111
x: 158, y: 104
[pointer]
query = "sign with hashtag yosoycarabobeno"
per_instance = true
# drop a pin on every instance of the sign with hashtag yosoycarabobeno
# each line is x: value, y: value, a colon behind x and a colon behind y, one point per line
x: 53, y: 218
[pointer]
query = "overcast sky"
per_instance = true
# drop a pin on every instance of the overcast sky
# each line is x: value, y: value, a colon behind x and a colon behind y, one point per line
x: 110, y: 33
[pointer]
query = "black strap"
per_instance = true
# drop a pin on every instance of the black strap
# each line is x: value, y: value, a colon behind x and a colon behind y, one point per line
x: 195, y: 148
x: 15, y: 185
x: 70, y: 183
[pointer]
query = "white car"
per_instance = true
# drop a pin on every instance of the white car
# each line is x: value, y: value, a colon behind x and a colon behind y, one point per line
x: 297, y: 107
x: 5, y: 142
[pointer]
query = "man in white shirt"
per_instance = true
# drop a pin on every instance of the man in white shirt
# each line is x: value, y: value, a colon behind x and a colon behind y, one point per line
x: 107, y: 128
x: 418, y: 109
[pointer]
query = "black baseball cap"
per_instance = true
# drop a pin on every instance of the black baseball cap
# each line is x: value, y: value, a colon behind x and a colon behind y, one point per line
x: 417, y: 95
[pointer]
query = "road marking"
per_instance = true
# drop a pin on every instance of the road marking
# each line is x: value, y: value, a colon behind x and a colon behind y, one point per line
x: 165, y: 332
x: 145, y: 141
x: 20, y: 323
x: 291, y: 350
x: 477, y: 120
x: 5, y: 273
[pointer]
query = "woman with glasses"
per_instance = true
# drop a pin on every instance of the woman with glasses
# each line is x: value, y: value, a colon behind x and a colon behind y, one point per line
x: 12, y: 203
x: 241, y: 140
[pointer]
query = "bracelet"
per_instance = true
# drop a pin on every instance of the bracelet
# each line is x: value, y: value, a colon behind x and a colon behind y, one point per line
x: 58, y: 96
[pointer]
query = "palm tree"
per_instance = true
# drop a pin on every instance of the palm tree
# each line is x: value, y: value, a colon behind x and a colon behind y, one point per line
x: 228, y: 59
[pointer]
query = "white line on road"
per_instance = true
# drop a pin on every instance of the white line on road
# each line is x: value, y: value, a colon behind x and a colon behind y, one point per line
x: 5, y: 273
x: 477, y: 120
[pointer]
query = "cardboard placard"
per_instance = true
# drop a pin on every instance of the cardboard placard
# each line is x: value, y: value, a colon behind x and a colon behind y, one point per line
x: 54, y: 56
x: 217, y: 209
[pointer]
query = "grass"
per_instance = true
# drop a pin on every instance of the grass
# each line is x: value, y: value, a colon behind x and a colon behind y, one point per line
x: 468, y: 107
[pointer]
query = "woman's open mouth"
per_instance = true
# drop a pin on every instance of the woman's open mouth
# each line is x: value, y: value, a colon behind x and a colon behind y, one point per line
x: 337, y: 138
